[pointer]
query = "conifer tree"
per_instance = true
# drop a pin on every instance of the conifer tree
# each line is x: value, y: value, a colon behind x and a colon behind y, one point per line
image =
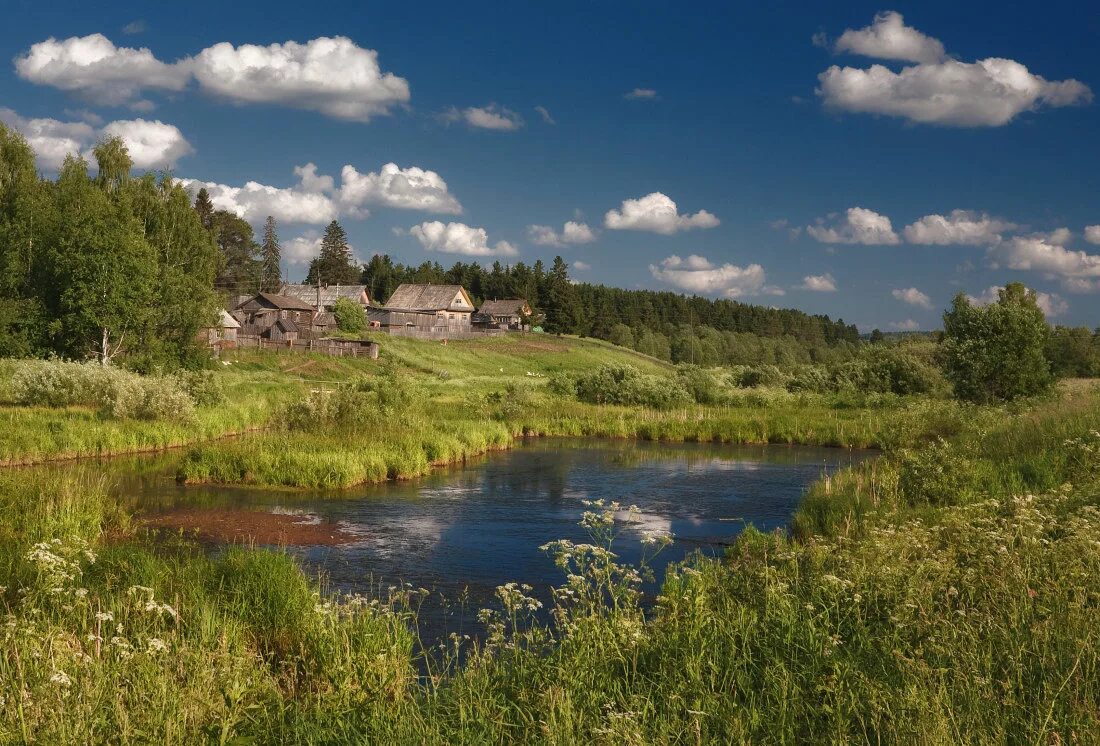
x: 270, y: 258
x: 205, y: 208
x: 335, y: 265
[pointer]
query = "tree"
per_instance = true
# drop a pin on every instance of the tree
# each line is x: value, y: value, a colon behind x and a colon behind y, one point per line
x: 270, y: 258
x: 996, y: 352
x: 335, y: 265
x: 239, y: 270
x: 349, y: 315
x: 559, y: 301
x: 204, y: 208
x: 622, y: 335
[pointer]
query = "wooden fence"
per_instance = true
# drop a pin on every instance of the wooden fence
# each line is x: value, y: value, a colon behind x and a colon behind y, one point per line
x: 456, y: 331
x: 334, y: 347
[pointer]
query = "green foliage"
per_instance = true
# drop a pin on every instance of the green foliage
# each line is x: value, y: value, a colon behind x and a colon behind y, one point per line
x: 1073, y: 352
x: 335, y: 264
x: 997, y: 352
x: 701, y: 384
x: 271, y: 273
x: 239, y: 269
x: 625, y: 384
x: 938, y: 474
x: 349, y: 315
x: 357, y: 404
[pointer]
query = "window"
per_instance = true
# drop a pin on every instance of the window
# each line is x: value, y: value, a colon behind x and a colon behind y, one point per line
x: 451, y: 316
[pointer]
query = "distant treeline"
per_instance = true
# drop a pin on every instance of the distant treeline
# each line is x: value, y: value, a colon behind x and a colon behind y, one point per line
x: 663, y: 324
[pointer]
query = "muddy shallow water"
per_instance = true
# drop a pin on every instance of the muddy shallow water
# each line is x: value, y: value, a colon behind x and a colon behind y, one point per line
x: 463, y: 531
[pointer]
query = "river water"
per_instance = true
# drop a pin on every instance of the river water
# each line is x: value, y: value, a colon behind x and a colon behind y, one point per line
x: 465, y: 530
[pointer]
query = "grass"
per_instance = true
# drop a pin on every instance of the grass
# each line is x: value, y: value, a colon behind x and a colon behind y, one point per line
x: 946, y: 593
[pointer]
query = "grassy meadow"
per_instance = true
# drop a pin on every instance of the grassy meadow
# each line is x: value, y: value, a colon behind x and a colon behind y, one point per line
x: 945, y: 593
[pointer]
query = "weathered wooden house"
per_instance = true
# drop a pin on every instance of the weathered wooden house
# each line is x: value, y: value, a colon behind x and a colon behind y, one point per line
x: 221, y: 333
x: 324, y: 298
x: 512, y: 313
x: 275, y: 317
x: 425, y: 307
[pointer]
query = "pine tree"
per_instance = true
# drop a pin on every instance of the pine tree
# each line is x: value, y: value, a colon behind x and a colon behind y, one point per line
x: 239, y: 270
x: 270, y: 258
x: 335, y: 265
x: 205, y: 208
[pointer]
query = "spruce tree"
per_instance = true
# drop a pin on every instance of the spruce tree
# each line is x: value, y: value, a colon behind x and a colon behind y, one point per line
x: 270, y: 258
x: 205, y: 208
x: 335, y: 265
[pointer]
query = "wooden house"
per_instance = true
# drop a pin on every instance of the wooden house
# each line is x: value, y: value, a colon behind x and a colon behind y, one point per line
x: 222, y: 333
x: 324, y: 298
x: 273, y: 316
x: 509, y: 314
x: 425, y: 307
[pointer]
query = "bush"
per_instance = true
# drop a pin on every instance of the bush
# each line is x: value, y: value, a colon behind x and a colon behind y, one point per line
x: 938, y: 474
x: 203, y: 386
x: 562, y: 384
x: 702, y: 385
x: 508, y: 404
x: 352, y: 406
x: 625, y: 384
x: 115, y: 392
x: 760, y: 376
x: 349, y: 315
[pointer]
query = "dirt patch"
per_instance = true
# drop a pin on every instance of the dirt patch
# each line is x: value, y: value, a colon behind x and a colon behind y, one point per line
x: 251, y: 527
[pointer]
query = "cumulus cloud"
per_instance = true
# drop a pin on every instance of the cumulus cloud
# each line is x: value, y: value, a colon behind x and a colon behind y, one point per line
x: 656, y: 213
x: 1047, y: 253
x: 1051, y: 304
x: 334, y: 76
x: 936, y: 90
x: 1092, y: 233
x: 135, y: 27
x: 302, y: 249
x: 819, y: 283
x: 859, y: 226
x: 641, y: 94
x: 912, y: 296
x: 491, y: 117
x: 959, y: 227
x: 698, y: 275
x: 572, y: 233
x: 316, y: 198
x: 581, y: 266
x: 409, y: 188
x: 94, y: 67
x: 152, y: 144
x: 888, y: 38
x: 459, y: 238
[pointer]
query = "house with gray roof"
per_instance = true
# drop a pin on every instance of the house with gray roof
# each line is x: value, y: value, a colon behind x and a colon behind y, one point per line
x: 510, y: 313
x: 324, y: 298
x: 425, y: 306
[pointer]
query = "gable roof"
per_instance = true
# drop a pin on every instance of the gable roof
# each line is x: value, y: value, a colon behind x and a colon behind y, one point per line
x: 282, y: 302
x: 509, y: 307
x: 225, y: 321
x: 328, y: 294
x: 413, y: 297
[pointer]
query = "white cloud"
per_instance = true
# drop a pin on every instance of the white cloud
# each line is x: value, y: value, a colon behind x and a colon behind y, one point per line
x: 937, y: 89
x: 912, y: 296
x: 545, y: 114
x: 572, y: 233
x: 152, y: 144
x: 859, y: 226
x: 909, y: 325
x: 987, y: 93
x: 303, y: 248
x: 641, y: 94
x: 93, y: 66
x: 410, y: 188
x: 459, y: 238
x: 888, y: 38
x: 819, y: 283
x: 255, y: 201
x: 333, y: 75
x: 1051, y: 304
x: 697, y: 275
x: 657, y: 213
x: 1092, y: 233
x: 135, y: 27
x: 1046, y: 253
x: 317, y: 199
x: 491, y: 117
x: 581, y: 266
x: 959, y: 227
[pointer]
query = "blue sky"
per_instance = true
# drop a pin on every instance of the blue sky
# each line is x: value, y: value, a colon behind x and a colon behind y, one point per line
x: 871, y: 175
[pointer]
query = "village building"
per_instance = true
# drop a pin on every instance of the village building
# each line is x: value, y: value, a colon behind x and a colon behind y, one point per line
x: 323, y: 298
x: 513, y: 313
x: 222, y: 333
x: 426, y: 307
x: 275, y: 317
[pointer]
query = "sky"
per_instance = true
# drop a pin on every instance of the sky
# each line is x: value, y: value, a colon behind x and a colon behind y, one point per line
x: 868, y: 161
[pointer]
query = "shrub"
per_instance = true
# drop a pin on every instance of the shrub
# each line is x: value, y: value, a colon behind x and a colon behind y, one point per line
x: 203, y: 386
x: 761, y: 375
x: 115, y: 392
x: 508, y: 404
x: 349, y: 315
x: 702, y: 385
x: 625, y: 384
x: 938, y: 474
x: 562, y: 384
x: 353, y: 405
